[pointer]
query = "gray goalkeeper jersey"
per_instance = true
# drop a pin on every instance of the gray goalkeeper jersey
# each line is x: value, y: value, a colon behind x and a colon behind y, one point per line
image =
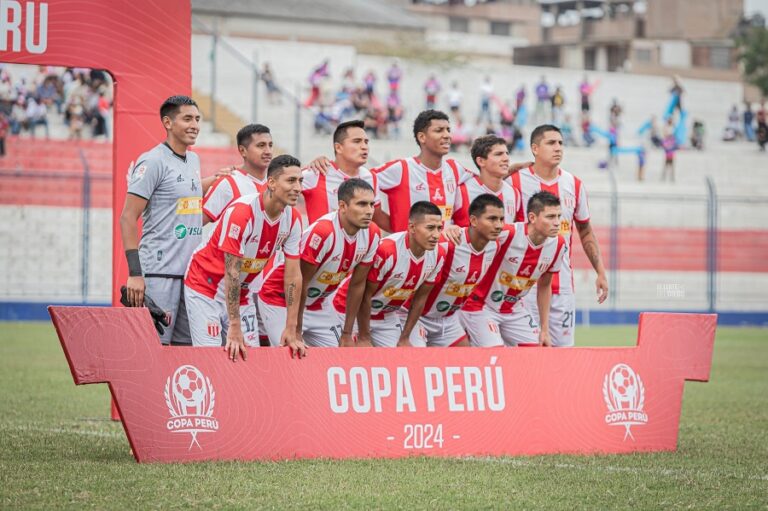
x: 172, y: 219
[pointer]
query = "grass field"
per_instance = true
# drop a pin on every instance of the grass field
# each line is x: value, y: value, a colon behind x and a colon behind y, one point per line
x: 57, y: 450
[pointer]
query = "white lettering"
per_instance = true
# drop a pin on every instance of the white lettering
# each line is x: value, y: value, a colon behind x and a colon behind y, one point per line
x: 340, y: 405
x: 453, y: 388
x: 473, y: 381
x: 10, y: 25
x: 358, y: 383
x: 381, y: 386
x: 404, y: 391
x: 42, y: 35
x: 433, y: 380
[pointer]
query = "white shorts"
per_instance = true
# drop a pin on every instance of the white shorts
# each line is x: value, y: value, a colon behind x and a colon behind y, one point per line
x: 168, y: 294
x: 209, y: 322
x: 273, y: 317
x: 489, y: 328
x: 322, y: 328
x: 443, y: 332
x: 386, y: 332
x: 562, y: 316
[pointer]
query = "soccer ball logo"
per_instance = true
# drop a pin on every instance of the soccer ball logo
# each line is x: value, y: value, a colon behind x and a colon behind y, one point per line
x: 623, y: 387
x: 189, y: 389
x: 624, y: 396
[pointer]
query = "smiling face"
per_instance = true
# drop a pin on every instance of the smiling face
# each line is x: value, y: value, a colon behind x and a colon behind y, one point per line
x: 436, y: 139
x: 286, y: 186
x: 184, y: 126
x: 258, y: 153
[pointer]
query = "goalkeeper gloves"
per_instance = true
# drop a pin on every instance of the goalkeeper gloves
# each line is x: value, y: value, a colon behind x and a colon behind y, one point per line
x: 159, y: 317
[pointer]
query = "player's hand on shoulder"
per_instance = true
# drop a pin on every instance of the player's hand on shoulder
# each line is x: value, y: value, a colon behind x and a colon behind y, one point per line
x: 516, y: 167
x: 452, y: 233
x: 321, y: 164
x: 225, y: 171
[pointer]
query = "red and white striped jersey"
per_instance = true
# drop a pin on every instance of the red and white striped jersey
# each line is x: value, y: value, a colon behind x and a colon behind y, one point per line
x: 408, y: 181
x: 574, y: 207
x: 229, y: 188
x: 463, y: 269
x: 473, y: 187
x: 326, y: 245
x: 321, y: 191
x: 398, y: 274
x: 244, y: 231
x: 517, y: 266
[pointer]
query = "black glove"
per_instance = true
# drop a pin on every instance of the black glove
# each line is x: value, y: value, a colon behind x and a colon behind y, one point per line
x: 159, y: 317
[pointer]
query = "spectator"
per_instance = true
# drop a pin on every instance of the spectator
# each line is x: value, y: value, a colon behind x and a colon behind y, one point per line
x: 76, y: 114
x: 394, y: 113
x: 431, y: 89
x: 697, y: 135
x: 273, y: 91
x: 585, y: 91
x: 4, y: 125
x: 558, y: 105
x: 369, y: 80
x: 520, y: 97
x: 37, y: 115
x: 542, y: 100
x: 394, y: 75
x: 315, y: 80
x: 749, y: 117
x: 454, y: 98
x: 486, y: 94
x: 670, y: 147
x: 18, y: 118
x: 762, y: 127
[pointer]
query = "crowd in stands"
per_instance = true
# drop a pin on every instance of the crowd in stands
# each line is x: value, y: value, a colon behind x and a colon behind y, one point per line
x: 80, y: 97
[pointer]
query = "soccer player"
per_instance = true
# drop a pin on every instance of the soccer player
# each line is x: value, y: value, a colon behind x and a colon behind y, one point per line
x: 491, y: 156
x: 404, y: 268
x: 546, y: 175
x: 350, y: 146
x: 254, y: 142
x: 427, y: 177
x: 465, y: 266
x: 495, y: 314
x: 251, y: 229
x: 164, y: 189
x: 337, y: 245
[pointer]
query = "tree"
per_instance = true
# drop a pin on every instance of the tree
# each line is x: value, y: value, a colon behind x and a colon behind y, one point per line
x: 753, y: 53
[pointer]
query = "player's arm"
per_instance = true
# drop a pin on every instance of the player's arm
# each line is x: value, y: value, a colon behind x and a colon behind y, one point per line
x: 364, y: 314
x: 414, y: 312
x: 543, y: 300
x: 129, y: 232
x: 308, y: 271
x: 235, y: 343
x: 355, y: 293
x: 592, y: 250
x: 207, y: 182
x: 291, y: 337
x: 516, y: 167
x: 381, y: 219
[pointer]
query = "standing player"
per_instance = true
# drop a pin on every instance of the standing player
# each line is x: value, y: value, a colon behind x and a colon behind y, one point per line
x: 350, y: 146
x: 164, y: 189
x: 336, y: 245
x: 491, y: 155
x: 254, y: 142
x: 252, y: 229
x: 404, y: 268
x: 465, y: 266
x: 495, y: 314
x: 546, y: 175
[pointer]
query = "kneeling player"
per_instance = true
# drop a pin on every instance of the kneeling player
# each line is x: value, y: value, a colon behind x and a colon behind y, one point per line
x: 465, y: 265
x: 251, y: 229
x: 336, y: 245
x: 405, y: 266
x: 494, y: 315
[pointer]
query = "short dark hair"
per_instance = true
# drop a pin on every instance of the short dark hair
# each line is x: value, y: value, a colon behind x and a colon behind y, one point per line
x: 482, y: 201
x: 350, y: 186
x: 247, y: 131
x: 423, y: 120
x: 278, y: 163
x: 422, y: 208
x: 539, y: 131
x: 340, y: 134
x: 541, y: 200
x: 482, y: 146
x: 171, y: 106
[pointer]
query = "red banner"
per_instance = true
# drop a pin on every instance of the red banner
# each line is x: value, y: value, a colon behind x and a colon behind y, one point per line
x: 183, y: 404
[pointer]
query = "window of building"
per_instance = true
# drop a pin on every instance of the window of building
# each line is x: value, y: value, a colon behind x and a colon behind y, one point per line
x: 500, y: 28
x: 720, y: 58
x: 643, y: 55
x: 458, y: 24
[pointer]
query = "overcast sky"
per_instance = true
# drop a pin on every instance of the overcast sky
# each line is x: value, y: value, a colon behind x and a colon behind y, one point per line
x: 751, y: 6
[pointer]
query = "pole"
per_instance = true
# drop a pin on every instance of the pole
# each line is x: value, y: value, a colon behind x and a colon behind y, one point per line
x: 297, y: 123
x: 84, y: 262
x: 614, y: 245
x: 214, y: 49
x: 255, y: 90
x: 711, y: 244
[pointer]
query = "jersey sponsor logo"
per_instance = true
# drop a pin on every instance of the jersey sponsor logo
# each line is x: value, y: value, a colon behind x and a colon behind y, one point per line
x: 513, y: 260
x: 315, y: 241
x: 253, y: 265
x: 377, y: 304
x: 190, y: 399
x: 266, y: 249
x: 313, y: 292
x: 496, y: 296
x: 410, y: 282
x: 460, y: 269
x: 459, y: 290
x: 472, y: 278
x: 397, y: 275
x: 181, y: 231
x: 437, y: 196
x: 396, y: 293
x: 565, y: 227
x: 234, y: 231
x: 624, y: 396
x: 180, y: 179
x: 189, y: 206
x: 442, y: 306
x: 447, y: 212
x: 526, y: 271
x: 515, y: 282
x: 330, y: 278
x: 419, y: 187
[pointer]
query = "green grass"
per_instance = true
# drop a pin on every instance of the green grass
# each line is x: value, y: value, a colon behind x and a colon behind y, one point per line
x: 57, y: 450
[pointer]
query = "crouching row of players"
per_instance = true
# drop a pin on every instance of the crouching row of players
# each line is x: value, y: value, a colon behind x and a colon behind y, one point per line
x: 338, y: 283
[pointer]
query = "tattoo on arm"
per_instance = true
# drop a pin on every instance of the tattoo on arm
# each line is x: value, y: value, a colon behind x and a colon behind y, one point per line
x: 589, y: 244
x: 289, y: 295
x: 232, y: 265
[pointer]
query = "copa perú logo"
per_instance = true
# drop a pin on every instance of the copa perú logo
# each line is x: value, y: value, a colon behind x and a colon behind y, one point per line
x: 190, y: 398
x: 624, y: 396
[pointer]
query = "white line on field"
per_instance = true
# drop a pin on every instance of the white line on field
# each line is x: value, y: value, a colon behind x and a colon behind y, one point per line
x: 666, y: 472
x: 35, y: 429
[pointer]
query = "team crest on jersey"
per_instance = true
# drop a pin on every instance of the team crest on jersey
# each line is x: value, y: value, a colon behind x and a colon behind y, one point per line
x: 315, y: 241
x: 266, y: 249
x: 359, y: 255
x: 568, y: 200
x: 410, y: 282
x: 450, y: 186
x: 438, y: 196
x: 281, y: 237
